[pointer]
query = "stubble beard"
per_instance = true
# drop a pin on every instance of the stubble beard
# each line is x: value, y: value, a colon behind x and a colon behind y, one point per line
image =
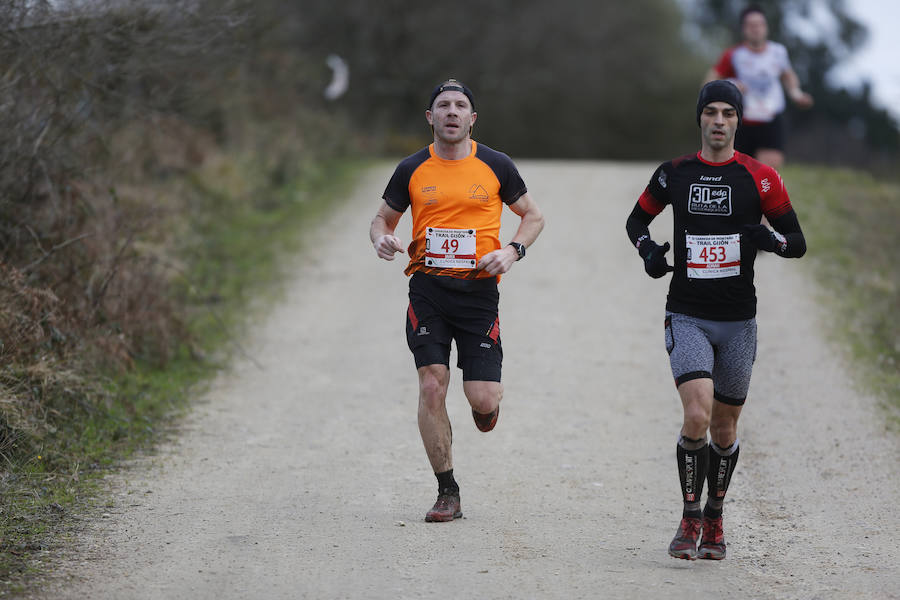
x: 460, y: 136
x: 718, y: 144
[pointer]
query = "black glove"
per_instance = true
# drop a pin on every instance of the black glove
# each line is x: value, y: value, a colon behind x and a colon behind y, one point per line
x: 764, y: 238
x: 654, y: 257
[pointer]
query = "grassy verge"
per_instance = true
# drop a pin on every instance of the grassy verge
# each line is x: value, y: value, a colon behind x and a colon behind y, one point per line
x: 850, y: 220
x: 240, y: 238
x: 229, y: 254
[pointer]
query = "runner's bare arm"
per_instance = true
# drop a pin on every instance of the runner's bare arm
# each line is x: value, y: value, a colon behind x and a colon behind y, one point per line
x: 382, y: 232
x: 711, y: 75
x: 791, y: 84
x: 500, y: 261
x: 532, y: 220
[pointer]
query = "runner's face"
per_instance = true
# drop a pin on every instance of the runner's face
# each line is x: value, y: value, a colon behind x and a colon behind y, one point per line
x: 755, y: 29
x: 718, y: 122
x: 451, y: 117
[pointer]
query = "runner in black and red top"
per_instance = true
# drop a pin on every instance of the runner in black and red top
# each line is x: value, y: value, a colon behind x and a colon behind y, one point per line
x: 718, y: 197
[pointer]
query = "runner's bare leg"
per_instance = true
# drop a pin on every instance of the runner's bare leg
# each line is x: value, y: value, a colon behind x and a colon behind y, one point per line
x: 723, y: 424
x: 434, y: 424
x: 483, y: 396
x: 697, y: 400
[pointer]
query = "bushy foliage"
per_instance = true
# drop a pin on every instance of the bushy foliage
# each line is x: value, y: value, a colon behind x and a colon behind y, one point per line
x: 115, y: 117
x: 87, y: 99
x: 95, y: 109
x: 561, y: 79
x: 135, y: 137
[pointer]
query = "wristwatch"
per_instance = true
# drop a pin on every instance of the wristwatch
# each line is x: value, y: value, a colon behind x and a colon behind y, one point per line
x: 520, y: 249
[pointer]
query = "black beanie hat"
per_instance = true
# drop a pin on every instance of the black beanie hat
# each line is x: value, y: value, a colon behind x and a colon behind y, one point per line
x: 721, y: 90
x: 451, y: 85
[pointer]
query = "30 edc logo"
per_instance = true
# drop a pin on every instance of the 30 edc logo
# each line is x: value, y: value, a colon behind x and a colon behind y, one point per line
x: 707, y: 199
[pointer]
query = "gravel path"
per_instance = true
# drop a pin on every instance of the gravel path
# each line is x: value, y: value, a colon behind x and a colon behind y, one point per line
x: 304, y: 477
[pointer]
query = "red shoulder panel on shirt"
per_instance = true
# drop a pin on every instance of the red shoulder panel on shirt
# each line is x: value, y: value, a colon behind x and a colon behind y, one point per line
x: 681, y: 159
x: 773, y: 196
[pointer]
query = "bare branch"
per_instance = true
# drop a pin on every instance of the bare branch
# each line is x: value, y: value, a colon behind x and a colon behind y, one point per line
x: 113, y: 270
x: 54, y: 250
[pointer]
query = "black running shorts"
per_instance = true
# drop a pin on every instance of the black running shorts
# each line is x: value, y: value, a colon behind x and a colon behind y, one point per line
x: 756, y: 136
x: 466, y: 310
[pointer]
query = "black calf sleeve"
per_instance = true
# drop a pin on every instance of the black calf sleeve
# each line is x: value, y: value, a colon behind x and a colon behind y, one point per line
x: 721, y: 466
x: 693, y: 458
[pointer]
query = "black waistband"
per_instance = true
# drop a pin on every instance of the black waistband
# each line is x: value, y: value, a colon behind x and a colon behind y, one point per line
x: 457, y: 284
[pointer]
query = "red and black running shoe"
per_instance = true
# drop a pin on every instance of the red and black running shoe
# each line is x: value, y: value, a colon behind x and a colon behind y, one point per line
x: 446, y: 508
x: 486, y: 422
x: 712, y: 542
x: 685, y: 543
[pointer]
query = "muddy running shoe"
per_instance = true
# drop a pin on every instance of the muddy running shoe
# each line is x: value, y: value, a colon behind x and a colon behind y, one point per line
x: 446, y: 508
x: 685, y: 543
x: 486, y: 422
x: 712, y: 542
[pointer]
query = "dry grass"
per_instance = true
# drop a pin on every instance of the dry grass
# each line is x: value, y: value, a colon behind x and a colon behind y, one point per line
x: 851, y: 221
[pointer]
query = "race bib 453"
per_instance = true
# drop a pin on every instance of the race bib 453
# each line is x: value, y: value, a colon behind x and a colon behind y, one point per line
x: 713, y: 256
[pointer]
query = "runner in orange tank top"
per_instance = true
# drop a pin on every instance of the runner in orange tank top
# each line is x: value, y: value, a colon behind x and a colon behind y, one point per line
x: 457, y: 189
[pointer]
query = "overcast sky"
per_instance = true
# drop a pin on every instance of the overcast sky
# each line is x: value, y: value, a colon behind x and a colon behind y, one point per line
x: 879, y: 59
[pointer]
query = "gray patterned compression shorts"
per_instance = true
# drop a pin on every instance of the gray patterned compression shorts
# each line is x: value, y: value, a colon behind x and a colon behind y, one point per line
x: 723, y: 351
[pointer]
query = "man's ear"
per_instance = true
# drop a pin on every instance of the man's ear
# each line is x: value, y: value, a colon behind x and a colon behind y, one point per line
x: 429, y: 118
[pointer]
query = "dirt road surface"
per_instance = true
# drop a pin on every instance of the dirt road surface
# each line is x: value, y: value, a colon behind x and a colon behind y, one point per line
x: 304, y: 476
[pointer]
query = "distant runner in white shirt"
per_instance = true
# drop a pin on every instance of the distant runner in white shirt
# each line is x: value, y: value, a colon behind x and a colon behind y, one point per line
x: 760, y: 67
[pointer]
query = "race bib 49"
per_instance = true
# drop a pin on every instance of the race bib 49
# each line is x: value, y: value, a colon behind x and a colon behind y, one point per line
x: 450, y: 248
